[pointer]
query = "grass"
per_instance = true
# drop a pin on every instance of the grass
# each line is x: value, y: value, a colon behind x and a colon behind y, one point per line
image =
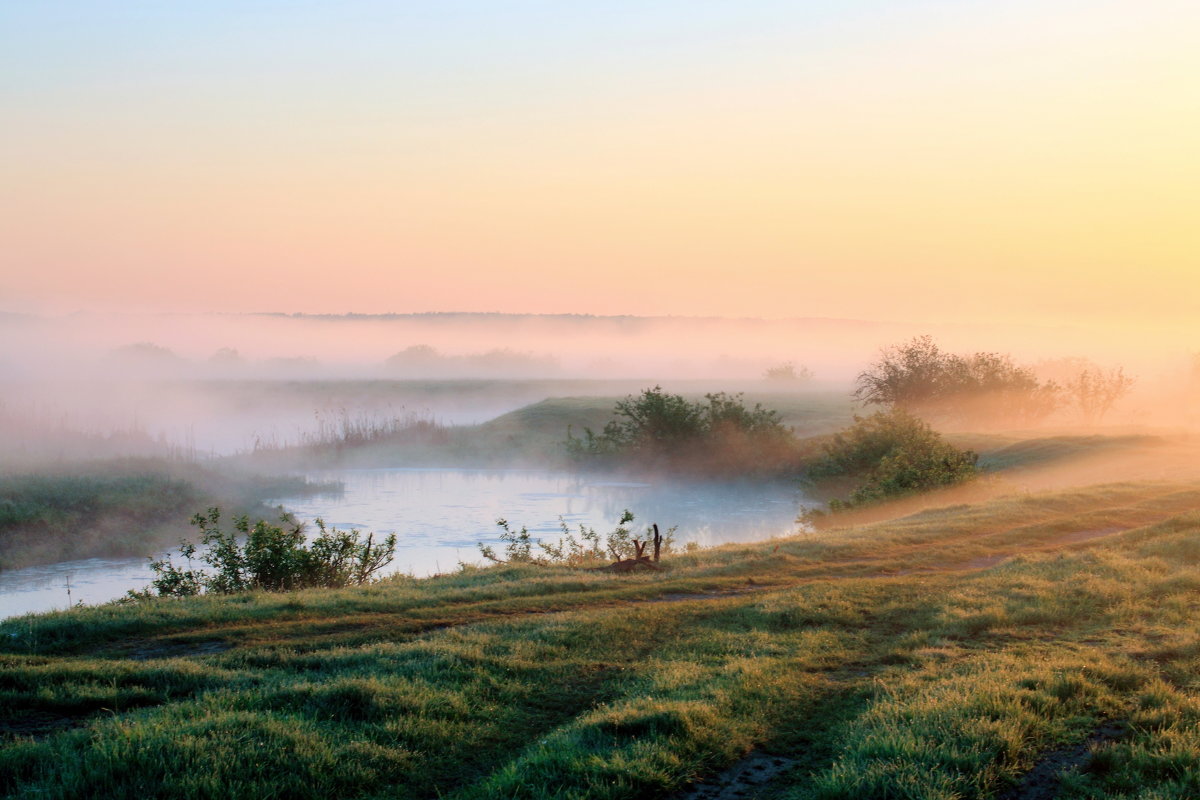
x: 119, y: 507
x: 1036, y: 451
x: 876, y: 659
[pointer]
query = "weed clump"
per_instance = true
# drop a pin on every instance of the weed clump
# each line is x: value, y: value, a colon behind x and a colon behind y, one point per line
x: 267, y: 557
x: 590, y: 547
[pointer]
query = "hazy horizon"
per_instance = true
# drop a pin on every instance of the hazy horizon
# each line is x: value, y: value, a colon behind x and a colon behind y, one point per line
x: 659, y: 191
x: 1024, y: 164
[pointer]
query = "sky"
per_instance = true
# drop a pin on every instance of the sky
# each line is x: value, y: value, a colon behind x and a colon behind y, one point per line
x: 1018, y: 162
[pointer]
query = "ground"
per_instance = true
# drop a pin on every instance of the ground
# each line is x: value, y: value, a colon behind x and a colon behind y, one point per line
x: 963, y: 651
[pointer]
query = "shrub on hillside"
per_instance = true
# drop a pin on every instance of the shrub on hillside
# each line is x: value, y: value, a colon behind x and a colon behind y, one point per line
x: 894, y: 453
x: 660, y: 430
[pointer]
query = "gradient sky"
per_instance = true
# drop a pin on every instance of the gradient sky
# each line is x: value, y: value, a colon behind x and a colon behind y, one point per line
x: 943, y: 161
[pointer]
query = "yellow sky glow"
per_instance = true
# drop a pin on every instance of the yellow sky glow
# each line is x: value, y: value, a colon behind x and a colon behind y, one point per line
x: 1018, y: 166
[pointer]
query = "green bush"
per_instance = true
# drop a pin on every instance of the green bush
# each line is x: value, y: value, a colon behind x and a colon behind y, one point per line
x: 660, y: 430
x: 894, y: 453
x: 269, y: 557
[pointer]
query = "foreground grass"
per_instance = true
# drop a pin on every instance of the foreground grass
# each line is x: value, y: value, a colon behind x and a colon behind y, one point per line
x: 941, y: 655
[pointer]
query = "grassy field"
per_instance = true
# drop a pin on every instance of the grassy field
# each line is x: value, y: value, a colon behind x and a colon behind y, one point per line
x: 1025, y: 644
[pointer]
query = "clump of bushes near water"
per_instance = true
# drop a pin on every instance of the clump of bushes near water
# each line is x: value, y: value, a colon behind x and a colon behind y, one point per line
x: 718, y: 436
x: 268, y: 557
x: 892, y: 454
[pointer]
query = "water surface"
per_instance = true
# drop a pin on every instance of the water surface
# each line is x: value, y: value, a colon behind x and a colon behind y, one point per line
x: 440, y: 516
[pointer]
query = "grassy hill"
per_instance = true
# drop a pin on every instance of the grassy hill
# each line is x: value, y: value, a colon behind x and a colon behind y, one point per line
x: 1031, y: 642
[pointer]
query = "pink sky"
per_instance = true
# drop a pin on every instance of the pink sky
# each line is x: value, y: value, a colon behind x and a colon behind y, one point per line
x: 924, y: 161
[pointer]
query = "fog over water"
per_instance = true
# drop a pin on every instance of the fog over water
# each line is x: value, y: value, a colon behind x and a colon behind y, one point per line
x: 196, y: 388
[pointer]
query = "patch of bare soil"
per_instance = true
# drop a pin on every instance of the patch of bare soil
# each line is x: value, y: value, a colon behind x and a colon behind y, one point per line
x: 35, y: 723
x: 155, y: 650
x: 745, y: 780
x: 1042, y: 782
x: 679, y: 597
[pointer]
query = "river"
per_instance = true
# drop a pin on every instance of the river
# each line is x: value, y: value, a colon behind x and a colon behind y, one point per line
x: 440, y: 516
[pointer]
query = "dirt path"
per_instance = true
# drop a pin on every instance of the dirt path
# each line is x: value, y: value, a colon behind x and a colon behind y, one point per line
x: 745, y: 780
x: 1042, y: 782
x: 758, y: 774
x: 173, y: 646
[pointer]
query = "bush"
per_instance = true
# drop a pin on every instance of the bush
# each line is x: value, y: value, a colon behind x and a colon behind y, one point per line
x: 894, y: 453
x: 270, y: 558
x: 660, y: 430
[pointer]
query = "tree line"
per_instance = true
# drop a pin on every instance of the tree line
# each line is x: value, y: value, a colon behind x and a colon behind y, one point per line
x: 985, y: 388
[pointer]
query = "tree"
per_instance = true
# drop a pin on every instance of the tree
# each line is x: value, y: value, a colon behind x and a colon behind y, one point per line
x: 226, y: 356
x: 922, y: 379
x: 990, y: 385
x: 911, y: 376
x: 788, y: 372
x: 657, y: 421
x: 1095, y: 391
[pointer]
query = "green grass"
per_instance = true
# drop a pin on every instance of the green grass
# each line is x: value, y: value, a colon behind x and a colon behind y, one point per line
x: 1038, y: 451
x: 876, y: 658
x: 121, y: 507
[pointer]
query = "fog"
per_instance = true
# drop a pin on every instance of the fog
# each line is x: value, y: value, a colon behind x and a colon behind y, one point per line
x: 91, y: 345
x: 217, y: 383
x: 282, y: 393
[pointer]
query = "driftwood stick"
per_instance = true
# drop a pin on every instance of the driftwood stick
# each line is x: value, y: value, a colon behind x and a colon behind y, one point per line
x: 628, y: 565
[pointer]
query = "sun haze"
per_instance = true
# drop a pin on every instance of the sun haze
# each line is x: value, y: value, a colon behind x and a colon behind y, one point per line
x: 1019, y: 162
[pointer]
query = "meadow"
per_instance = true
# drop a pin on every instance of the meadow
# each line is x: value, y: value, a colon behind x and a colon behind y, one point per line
x: 1027, y: 643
